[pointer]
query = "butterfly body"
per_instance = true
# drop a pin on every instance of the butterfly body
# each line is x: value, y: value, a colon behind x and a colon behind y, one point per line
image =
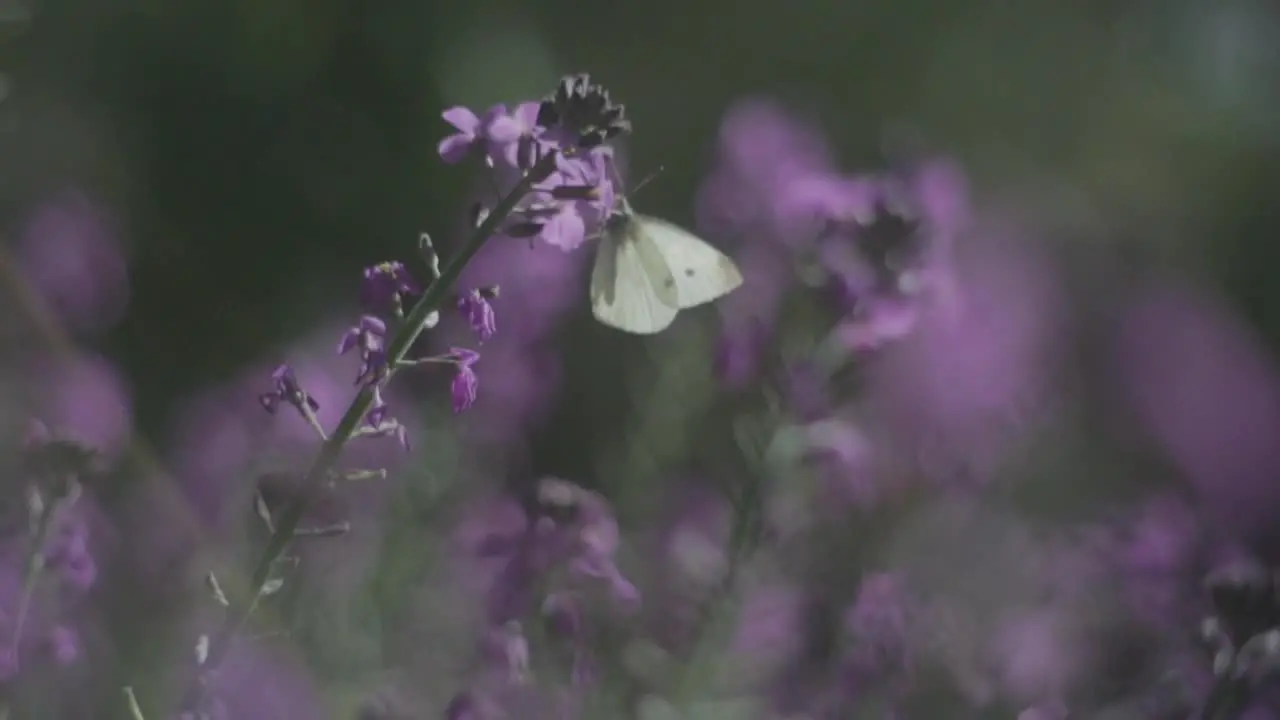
x: 647, y: 270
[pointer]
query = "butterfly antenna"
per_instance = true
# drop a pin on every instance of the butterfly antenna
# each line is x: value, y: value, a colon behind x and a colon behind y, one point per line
x: 646, y: 180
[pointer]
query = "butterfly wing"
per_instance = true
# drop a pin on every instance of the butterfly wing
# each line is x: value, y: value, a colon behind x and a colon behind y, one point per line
x: 701, y: 272
x: 631, y: 286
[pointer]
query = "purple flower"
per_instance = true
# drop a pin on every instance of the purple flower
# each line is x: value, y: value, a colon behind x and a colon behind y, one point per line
x: 514, y: 136
x: 764, y: 153
x: 585, y: 196
x: 472, y: 135
x: 87, y: 401
x: 479, y: 313
x: 572, y: 204
x: 370, y: 336
x: 68, y: 552
x: 379, y: 423
x: 65, y: 645
x: 288, y: 391
x: 465, y: 383
x: 70, y: 254
x: 385, y: 286
x: 877, y: 625
x: 1203, y: 385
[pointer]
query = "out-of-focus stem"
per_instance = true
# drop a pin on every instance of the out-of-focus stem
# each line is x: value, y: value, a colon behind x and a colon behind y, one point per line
x: 35, y: 563
x: 135, y: 710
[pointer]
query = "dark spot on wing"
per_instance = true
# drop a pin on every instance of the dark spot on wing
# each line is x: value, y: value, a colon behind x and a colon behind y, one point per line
x: 669, y: 282
x: 688, y: 272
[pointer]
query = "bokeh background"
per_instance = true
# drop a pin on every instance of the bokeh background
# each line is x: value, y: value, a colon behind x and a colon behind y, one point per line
x: 189, y: 191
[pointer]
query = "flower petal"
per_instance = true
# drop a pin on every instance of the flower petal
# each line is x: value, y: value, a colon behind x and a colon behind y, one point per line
x: 527, y: 114
x: 504, y: 129
x: 455, y: 148
x: 565, y: 230
x: 463, y: 119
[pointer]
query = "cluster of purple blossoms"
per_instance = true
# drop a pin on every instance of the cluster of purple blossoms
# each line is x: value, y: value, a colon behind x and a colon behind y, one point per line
x: 552, y: 166
x: 546, y: 567
x: 561, y: 143
x: 57, y: 564
x: 877, y: 245
x: 575, y: 194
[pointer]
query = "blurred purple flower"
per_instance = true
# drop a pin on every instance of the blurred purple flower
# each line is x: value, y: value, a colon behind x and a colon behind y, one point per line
x: 769, y: 624
x: 891, y: 250
x: 876, y: 623
x: 539, y: 562
x: 696, y: 537
x: 222, y: 435
x: 475, y: 307
x: 975, y: 368
x: 1203, y: 385
x: 1158, y: 548
x: 65, y: 644
x: 370, y: 336
x: 260, y: 681
x: 523, y: 551
x: 844, y: 459
x: 749, y: 318
x: 465, y: 383
x: 218, y: 432
x: 472, y: 134
x: 85, y: 400
x: 1035, y: 654
x: 68, y: 553
x: 287, y: 390
x: 385, y: 287
x: 763, y: 151
x: 69, y: 252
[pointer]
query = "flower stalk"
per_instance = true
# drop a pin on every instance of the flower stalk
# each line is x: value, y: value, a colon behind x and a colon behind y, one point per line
x: 433, y: 297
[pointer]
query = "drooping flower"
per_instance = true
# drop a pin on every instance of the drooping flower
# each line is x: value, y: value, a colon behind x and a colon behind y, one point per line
x: 465, y: 383
x: 472, y: 134
x: 378, y: 422
x: 479, y: 314
x: 287, y: 391
x: 386, y: 285
x: 370, y: 336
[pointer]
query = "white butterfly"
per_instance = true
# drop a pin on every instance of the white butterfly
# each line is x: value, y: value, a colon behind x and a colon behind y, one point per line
x: 648, y: 270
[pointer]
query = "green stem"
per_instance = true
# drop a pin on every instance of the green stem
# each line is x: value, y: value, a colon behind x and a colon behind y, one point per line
x: 287, y: 521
